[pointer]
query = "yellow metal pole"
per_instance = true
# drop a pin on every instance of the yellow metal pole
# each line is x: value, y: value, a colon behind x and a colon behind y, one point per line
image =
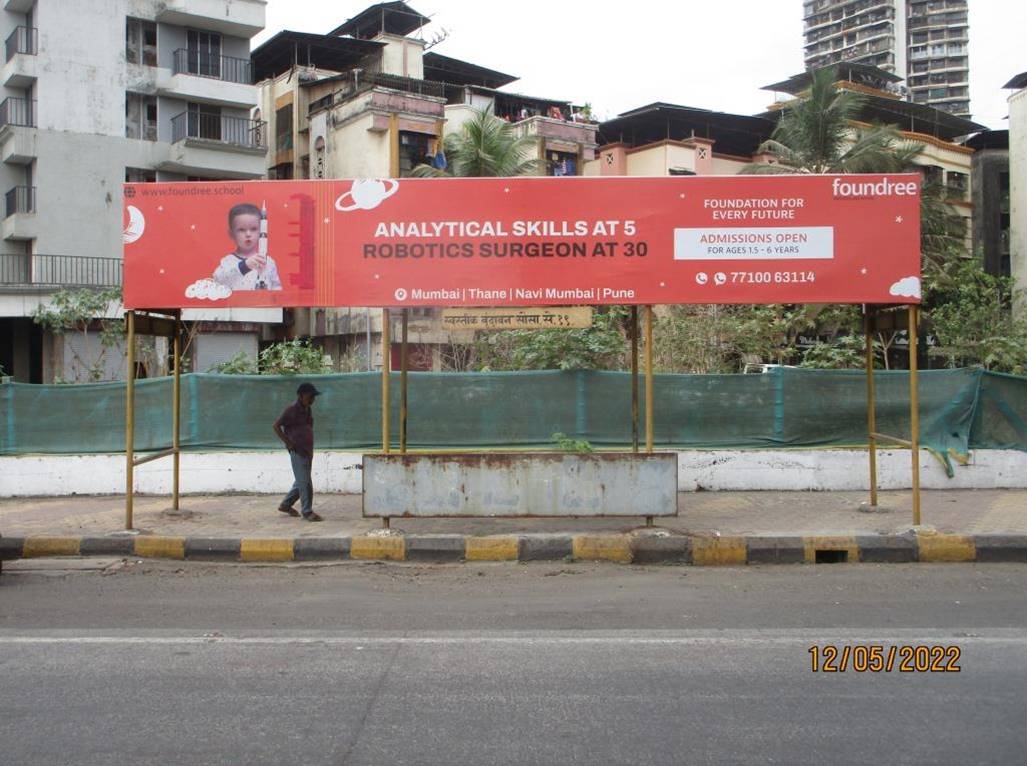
x: 868, y: 329
x: 386, y: 357
x: 403, y: 387
x: 130, y: 374
x: 649, y: 379
x: 176, y: 407
x: 914, y: 412
x: 634, y: 378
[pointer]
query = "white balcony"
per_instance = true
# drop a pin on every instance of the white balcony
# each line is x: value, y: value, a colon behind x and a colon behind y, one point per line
x: 17, y: 144
x: 206, y: 90
x: 19, y: 69
x: 18, y: 6
x: 239, y: 18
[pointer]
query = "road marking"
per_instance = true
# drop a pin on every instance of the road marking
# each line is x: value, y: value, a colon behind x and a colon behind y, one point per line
x: 963, y: 637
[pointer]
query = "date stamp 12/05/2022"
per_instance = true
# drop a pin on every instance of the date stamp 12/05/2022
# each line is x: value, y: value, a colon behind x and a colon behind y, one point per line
x: 878, y: 658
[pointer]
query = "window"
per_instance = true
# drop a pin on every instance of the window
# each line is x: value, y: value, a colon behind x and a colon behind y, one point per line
x: 141, y: 42
x: 561, y: 164
x: 283, y: 129
x: 279, y: 172
x: 140, y: 175
x: 141, y: 116
x: 414, y: 150
x: 204, y: 53
x: 204, y: 121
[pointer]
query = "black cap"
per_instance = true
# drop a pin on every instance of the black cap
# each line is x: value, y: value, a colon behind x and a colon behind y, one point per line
x: 307, y: 388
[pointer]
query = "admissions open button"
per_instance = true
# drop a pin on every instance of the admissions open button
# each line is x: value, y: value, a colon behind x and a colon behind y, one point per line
x: 798, y: 243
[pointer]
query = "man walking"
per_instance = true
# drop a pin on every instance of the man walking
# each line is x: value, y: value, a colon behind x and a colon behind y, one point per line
x: 295, y: 427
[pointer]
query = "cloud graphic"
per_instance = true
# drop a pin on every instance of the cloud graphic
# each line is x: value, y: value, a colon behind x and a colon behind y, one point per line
x: 907, y: 287
x: 208, y: 290
x: 136, y: 225
x: 366, y: 194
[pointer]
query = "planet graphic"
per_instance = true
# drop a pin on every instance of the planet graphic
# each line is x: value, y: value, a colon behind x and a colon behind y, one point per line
x: 134, y: 224
x: 366, y: 194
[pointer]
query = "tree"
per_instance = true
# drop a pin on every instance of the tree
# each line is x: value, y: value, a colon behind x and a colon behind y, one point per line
x: 819, y: 134
x: 485, y: 146
x: 973, y: 322
x: 83, y: 311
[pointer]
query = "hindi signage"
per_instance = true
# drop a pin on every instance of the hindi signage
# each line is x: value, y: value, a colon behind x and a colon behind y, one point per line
x: 509, y: 242
x: 540, y: 318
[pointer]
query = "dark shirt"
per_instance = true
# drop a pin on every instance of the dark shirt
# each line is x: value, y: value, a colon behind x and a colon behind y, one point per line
x: 297, y: 422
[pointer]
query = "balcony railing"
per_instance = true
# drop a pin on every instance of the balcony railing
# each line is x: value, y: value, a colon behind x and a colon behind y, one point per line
x: 21, y: 199
x: 225, y: 68
x: 59, y: 270
x: 364, y: 81
x: 18, y: 111
x: 23, y: 40
x: 234, y: 131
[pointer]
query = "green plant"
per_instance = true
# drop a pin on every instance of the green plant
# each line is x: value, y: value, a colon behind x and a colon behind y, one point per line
x: 485, y: 146
x: 602, y: 346
x: 565, y: 443
x: 290, y: 357
x: 974, y: 324
x: 82, y: 312
x: 846, y: 352
x: 240, y: 364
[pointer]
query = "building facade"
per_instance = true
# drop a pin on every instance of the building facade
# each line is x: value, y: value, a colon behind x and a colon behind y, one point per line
x: 1018, y: 186
x: 96, y: 94
x: 366, y: 100
x: 990, y: 196
x: 924, y: 42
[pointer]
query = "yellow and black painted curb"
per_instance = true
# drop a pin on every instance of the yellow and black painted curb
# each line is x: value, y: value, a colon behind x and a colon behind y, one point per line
x: 638, y: 548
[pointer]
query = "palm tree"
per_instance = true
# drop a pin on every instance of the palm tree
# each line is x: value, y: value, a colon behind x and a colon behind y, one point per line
x: 485, y: 146
x: 819, y: 134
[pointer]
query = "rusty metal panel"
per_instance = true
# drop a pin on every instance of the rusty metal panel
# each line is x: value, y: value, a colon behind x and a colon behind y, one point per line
x: 520, y: 484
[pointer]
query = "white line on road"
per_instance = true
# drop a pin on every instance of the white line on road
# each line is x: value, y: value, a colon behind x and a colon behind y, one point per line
x: 998, y: 636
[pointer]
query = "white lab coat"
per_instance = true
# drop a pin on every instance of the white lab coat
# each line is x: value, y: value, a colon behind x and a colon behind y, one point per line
x: 227, y: 273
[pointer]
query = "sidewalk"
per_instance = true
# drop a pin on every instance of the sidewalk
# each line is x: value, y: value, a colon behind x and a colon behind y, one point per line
x: 700, y: 513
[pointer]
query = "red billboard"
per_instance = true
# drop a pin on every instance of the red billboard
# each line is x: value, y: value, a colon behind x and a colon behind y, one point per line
x: 523, y: 241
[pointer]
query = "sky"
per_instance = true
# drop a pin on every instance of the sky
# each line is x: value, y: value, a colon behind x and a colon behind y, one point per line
x: 708, y: 55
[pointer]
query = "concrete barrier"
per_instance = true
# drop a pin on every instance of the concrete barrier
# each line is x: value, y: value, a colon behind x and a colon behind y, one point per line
x: 339, y: 472
x: 541, y: 484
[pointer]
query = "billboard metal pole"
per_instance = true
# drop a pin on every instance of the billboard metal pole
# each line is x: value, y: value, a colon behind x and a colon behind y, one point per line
x: 649, y: 379
x: 176, y: 406
x: 914, y: 412
x: 386, y: 355
x: 868, y: 329
x: 403, y: 387
x: 634, y: 378
x: 130, y: 374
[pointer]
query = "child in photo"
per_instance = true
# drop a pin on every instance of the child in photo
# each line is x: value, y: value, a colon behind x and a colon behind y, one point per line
x: 249, y: 267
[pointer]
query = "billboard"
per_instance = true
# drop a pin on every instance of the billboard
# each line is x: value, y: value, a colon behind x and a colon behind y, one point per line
x: 498, y: 242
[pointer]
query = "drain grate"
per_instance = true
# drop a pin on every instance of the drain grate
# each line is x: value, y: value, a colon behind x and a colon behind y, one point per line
x: 830, y: 557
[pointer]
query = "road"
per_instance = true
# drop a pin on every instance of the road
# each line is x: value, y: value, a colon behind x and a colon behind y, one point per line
x: 506, y: 664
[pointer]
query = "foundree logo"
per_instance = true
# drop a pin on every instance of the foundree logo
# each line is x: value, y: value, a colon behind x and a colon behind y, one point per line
x: 857, y: 189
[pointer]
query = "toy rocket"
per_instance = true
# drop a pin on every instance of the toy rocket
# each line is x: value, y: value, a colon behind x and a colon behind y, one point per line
x: 262, y: 245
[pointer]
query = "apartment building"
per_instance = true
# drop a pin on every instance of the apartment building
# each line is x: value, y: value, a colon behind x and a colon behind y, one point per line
x: 1018, y: 186
x: 923, y: 42
x: 668, y: 139
x: 366, y: 100
x: 96, y: 94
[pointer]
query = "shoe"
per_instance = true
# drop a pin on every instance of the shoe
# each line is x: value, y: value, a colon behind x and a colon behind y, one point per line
x: 312, y: 516
x: 288, y: 510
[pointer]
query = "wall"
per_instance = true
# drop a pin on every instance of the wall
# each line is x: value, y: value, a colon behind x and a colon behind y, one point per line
x: 1018, y: 193
x: 353, y: 151
x: 784, y: 470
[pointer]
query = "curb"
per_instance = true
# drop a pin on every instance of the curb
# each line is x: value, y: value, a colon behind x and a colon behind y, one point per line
x: 640, y: 548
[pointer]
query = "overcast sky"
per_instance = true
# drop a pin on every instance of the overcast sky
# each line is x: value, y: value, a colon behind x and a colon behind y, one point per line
x: 708, y: 55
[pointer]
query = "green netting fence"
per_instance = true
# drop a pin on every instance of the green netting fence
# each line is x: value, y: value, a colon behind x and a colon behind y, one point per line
x: 960, y: 410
